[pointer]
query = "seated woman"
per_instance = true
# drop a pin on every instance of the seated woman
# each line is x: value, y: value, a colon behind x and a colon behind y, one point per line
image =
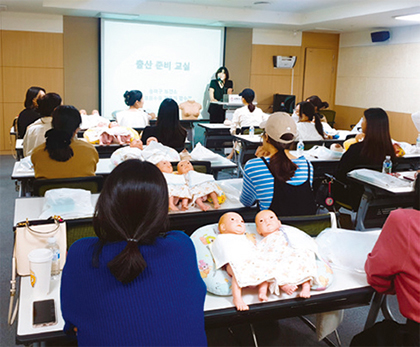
x: 35, y: 133
x: 247, y: 115
x: 30, y: 114
x: 309, y: 126
x: 319, y: 105
x: 136, y: 284
x: 370, y: 152
x: 64, y: 155
x: 277, y: 180
x: 168, y: 129
x: 135, y: 116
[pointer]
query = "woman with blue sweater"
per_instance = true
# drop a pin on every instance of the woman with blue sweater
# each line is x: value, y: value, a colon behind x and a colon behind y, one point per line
x: 277, y: 180
x: 136, y: 284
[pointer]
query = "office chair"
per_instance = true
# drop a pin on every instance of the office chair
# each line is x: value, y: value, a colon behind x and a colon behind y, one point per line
x: 330, y: 115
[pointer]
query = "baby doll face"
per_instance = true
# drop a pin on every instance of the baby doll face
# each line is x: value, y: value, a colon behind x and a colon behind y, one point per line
x: 83, y: 112
x: 113, y: 124
x: 95, y: 112
x: 184, y: 166
x: 150, y: 139
x: 267, y: 222
x: 232, y: 223
x: 165, y: 166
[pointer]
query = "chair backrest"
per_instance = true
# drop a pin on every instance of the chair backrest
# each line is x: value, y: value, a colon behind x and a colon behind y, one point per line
x: 79, y: 228
x: 330, y: 115
x: 199, y: 166
x: 257, y: 130
x: 313, y: 224
x: 91, y: 183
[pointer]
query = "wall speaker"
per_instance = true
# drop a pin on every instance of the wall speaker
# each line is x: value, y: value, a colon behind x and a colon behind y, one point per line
x: 379, y: 36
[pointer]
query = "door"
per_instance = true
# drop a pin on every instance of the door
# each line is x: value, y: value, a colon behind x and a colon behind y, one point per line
x: 320, y: 74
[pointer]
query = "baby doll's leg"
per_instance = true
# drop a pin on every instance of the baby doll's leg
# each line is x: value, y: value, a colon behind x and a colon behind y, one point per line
x: 262, y: 291
x: 172, y: 205
x: 236, y: 292
x: 202, y: 205
x: 216, y: 204
x: 184, y: 204
x: 288, y: 288
x: 306, y: 290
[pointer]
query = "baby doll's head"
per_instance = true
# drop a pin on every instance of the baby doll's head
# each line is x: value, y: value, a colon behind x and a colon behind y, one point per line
x: 184, y: 166
x: 165, y: 166
x: 83, y: 112
x: 136, y: 143
x: 336, y: 147
x: 113, y: 124
x: 150, y: 139
x: 267, y: 222
x: 231, y: 223
x: 95, y: 112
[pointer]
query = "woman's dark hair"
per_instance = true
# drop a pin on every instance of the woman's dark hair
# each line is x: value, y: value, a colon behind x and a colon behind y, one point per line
x: 66, y: 120
x: 132, y: 207
x: 223, y: 69
x: 168, y: 123
x: 377, y: 142
x: 308, y: 109
x: 130, y: 97
x: 249, y: 99
x: 31, y: 94
x: 281, y: 166
x: 317, y: 102
x: 47, y: 104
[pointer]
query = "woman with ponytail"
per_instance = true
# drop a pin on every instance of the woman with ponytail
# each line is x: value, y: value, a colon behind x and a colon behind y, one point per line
x: 63, y: 155
x: 136, y: 283
x: 277, y: 180
x: 309, y: 126
x: 247, y: 115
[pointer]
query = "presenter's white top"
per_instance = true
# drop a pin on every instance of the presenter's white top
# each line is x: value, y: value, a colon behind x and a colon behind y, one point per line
x: 242, y: 117
x: 133, y: 118
x: 307, y: 132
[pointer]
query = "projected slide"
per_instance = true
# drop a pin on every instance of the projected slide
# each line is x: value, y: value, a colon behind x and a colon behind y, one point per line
x: 159, y: 60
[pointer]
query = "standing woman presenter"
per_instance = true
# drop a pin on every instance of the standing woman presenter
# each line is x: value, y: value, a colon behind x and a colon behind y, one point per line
x: 218, y: 87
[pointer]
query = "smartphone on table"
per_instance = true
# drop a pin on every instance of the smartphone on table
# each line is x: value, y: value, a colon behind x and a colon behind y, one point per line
x: 44, y: 313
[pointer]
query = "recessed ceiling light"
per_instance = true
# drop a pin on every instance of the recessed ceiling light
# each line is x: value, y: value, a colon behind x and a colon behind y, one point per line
x: 410, y: 17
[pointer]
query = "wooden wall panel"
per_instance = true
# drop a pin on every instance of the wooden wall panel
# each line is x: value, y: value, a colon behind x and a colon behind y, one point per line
x: 10, y: 111
x: 81, y: 62
x: 262, y: 59
x: 320, y: 40
x: 400, y: 124
x: 32, y: 49
x: 17, y: 80
x: 238, y: 56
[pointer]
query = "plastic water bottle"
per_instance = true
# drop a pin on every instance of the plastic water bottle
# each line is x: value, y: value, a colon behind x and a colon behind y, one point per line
x: 251, y: 130
x: 387, y: 165
x: 418, y: 144
x: 55, y: 249
x: 300, y: 147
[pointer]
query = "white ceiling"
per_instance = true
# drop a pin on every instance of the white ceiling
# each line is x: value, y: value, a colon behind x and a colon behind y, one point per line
x: 300, y: 15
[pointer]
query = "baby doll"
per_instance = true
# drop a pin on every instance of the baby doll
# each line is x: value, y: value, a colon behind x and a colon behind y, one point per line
x: 137, y: 143
x: 235, y: 250
x: 292, y: 267
x: 150, y: 139
x: 202, y: 186
x: 177, y: 187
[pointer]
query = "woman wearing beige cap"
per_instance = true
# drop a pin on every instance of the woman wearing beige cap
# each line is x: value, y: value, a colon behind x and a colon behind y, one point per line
x: 276, y: 179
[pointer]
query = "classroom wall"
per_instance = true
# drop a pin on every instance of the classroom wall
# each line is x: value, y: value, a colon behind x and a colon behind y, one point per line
x: 267, y: 80
x: 31, y: 50
x: 385, y: 75
x: 81, y: 62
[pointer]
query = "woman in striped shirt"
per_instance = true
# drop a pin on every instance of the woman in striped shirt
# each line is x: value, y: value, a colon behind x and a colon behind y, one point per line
x: 277, y: 180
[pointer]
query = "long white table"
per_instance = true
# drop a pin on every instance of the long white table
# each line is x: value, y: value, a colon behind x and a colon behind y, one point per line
x: 22, y: 173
